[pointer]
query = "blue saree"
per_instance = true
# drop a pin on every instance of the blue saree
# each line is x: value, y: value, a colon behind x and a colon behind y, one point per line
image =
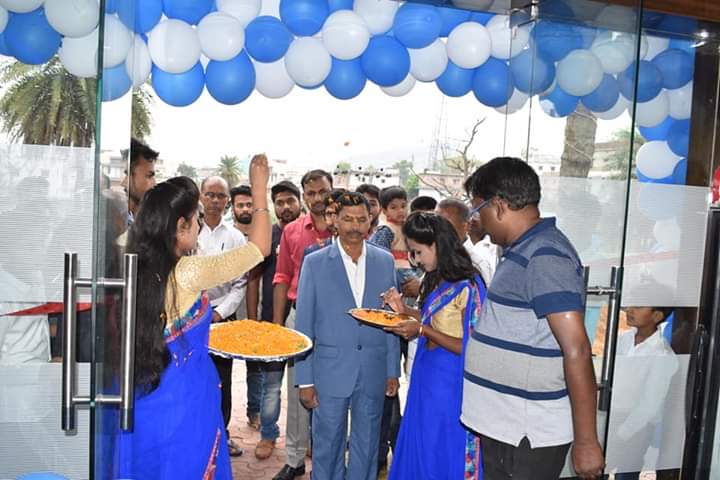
x: 179, y: 429
x: 432, y: 443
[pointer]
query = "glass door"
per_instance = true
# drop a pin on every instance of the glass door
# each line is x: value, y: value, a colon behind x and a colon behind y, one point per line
x: 607, y: 127
x: 65, y: 312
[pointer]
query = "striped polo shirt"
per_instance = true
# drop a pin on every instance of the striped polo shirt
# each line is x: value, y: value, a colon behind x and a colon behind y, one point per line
x: 514, y: 383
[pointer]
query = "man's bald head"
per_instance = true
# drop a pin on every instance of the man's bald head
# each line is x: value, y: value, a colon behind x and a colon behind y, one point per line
x: 214, y: 195
x: 215, y: 180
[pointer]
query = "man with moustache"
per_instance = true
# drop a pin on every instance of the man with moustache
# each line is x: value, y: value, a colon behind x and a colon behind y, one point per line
x: 141, y: 177
x: 265, y: 381
x: 241, y: 205
x: 352, y: 366
x: 216, y: 236
x: 372, y: 193
x: 296, y: 237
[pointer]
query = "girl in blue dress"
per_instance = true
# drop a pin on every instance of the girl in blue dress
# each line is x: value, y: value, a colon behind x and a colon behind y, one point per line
x: 432, y: 443
x: 179, y: 430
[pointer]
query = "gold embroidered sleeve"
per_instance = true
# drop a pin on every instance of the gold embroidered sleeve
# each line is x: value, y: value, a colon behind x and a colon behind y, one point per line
x: 449, y: 320
x: 197, y: 273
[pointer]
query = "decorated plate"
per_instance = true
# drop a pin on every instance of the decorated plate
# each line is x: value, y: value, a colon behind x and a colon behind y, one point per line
x: 257, y: 341
x: 378, y: 318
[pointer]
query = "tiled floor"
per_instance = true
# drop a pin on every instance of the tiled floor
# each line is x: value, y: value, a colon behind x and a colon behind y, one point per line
x: 247, y: 466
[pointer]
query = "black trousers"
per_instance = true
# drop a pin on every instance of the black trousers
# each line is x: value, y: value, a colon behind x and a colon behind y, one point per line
x: 389, y: 427
x: 502, y: 461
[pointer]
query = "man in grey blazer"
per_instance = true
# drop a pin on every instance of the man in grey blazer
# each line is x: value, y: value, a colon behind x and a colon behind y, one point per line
x: 352, y: 366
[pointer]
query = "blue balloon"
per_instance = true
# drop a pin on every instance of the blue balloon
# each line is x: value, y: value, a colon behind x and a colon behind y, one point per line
x: 561, y: 103
x: 532, y: 74
x: 115, y: 83
x: 679, y: 175
x: 455, y: 81
x: 110, y: 6
x: 385, y: 61
x: 492, y: 83
x: 417, y: 26
x: 346, y: 79
x: 658, y: 132
x: 554, y: 40
x: 649, y: 84
x: 481, y: 17
x: 686, y: 46
x: 642, y: 178
x: 4, y: 50
x: 451, y: 18
x: 30, y: 38
x: 304, y: 17
x: 676, y: 67
x: 267, y: 39
x: 189, y: 11
x: 336, y: 5
x: 604, y: 97
x: 558, y: 8
x: 140, y: 16
x: 232, y: 81
x: 678, y: 138
x: 179, y: 89
x: 678, y: 24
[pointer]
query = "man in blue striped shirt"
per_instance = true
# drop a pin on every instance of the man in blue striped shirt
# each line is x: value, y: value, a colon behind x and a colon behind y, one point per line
x: 529, y: 388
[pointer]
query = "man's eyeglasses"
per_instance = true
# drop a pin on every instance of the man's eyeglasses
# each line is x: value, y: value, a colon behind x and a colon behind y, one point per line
x: 476, y: 211
x: 213, y: 195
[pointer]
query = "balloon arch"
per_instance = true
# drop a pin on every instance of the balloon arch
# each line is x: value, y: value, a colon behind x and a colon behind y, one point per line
x: 226, y: 46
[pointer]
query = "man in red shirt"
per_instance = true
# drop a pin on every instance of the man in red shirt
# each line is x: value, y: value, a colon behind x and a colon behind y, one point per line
x: 297, y: 236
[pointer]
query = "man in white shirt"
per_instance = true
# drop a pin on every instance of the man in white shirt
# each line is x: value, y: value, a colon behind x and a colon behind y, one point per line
x: 483, y: 253
x: 216, y: 236
x: 352, y: 366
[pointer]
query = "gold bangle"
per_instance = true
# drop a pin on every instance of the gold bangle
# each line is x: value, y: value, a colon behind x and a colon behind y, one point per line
x: 420, y: 332
x: 256, y: 210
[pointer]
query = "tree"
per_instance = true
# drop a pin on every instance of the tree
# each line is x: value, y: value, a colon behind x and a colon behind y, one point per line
x: 343, y: 167
x: 187, y: 171
x: 579, y: 150
x: 46, y: 105
x: 404, y: 168
x: 617, y: 161
x: 229, y: 169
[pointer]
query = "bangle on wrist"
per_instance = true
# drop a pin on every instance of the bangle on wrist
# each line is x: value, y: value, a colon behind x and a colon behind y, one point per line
x: 420, y: 332
x: 257, y: 210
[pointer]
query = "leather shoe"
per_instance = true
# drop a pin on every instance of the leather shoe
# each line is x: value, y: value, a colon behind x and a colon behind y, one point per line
x: 264, y: 449
x: 289, y: 473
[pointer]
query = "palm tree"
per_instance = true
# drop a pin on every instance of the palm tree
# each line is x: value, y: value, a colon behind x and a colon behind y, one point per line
x: 46, y: 105
x: 187, y: 170
x: 577, y: 156
x: 229, y: 169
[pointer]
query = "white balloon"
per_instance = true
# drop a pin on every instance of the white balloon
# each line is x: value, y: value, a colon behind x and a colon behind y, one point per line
x: 507, y: 41
x: 244, y: 10
x: 270, y: 8
x: 427, y: 64
x: 402, y: 88
x: 517, y: 101
x: 579, y: 73
x: 272, y: 79
x: 378, y: 14
x: 307, y: 61
x: 656, y: 45
x: 3, y: 19
x: 174, y: 46
x: 345, y: 34
x: 139, y: 63
x: 681, y: 101
x: 656, y: 160
x: 221, y: 36
x: 118, y: 40
x: 617, y: 17
x: 469, y: 45
x: 653, y: 112
x: 615, y: 55
x: 79, y: 55
x: 620, y: 106
x: 72, y: 18
x: 21, y: 6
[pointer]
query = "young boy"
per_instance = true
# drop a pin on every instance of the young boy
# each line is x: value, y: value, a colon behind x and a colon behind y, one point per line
x: 393, y: 201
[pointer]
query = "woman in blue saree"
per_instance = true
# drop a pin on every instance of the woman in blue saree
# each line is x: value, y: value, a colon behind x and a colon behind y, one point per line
x: 432, y: 443
x: 179, y: 430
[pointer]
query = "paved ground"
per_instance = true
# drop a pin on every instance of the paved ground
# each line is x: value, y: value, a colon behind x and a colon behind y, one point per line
x: 247, y: 466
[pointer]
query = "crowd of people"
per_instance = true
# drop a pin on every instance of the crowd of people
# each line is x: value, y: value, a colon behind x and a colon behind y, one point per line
x: 501, y: 383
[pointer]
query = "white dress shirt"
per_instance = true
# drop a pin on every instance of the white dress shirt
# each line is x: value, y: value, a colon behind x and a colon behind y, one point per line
x: 485, y: 256
x: 355, y: 273
x: 226, y: 298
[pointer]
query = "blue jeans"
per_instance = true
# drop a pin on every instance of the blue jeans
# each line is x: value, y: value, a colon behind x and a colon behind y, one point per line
x: 264, y: 383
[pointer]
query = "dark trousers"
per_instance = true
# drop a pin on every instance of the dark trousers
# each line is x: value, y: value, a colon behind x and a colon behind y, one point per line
x: 389, y: 427
x: 502, y: 461
x: 224, y: 369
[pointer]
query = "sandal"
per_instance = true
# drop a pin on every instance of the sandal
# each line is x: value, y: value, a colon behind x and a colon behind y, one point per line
x: 233, y: 449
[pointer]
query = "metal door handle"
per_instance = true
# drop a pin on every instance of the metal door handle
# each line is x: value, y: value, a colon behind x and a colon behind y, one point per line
x: 126, y: 398
x: 696, y: 371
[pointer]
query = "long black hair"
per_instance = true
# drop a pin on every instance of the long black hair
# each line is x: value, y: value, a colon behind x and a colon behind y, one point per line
x: 453, y: 261
x: 153, y: 237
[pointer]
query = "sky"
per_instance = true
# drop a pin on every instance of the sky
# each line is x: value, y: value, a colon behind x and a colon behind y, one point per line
x: 311, y: 129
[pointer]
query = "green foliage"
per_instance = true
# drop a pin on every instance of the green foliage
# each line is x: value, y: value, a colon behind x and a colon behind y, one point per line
x: 187, y: 170
x: 229, y: 168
